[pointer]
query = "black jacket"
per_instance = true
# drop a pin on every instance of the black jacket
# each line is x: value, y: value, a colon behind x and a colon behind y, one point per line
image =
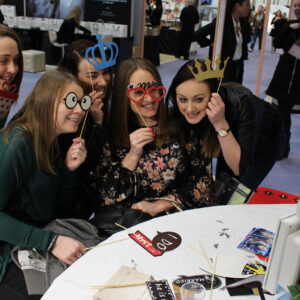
x: 285, y: 84
x: 67, y: 29
x: 255, y: 125
x: 229, y: 37
x: 189, y: 17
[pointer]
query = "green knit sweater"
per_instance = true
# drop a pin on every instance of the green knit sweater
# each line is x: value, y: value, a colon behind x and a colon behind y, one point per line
x: 29, y: 198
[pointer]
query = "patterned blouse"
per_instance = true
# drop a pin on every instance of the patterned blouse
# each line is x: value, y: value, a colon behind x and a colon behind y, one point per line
x: 175, y: 169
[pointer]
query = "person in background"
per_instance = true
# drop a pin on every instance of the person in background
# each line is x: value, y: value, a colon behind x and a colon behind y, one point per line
x: 155, y: 12
x: 257, y: 27
x: 66, y: 33
x: 145, y: 167
x: 278, y: 23
x: 284, y: 85
x: 235, y: 126
x: 11, y: 67
x: 237, y: 35
x: 189, y: 17
x: 36, y: 181
x: 1, y: 14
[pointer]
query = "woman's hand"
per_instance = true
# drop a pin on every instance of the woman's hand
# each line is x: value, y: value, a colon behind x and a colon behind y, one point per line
x: 216, y: 112
x: 152, y: 208
x: 96, y: 107
x: 67, y: 249
x: 295, y: 26
x: 76, y: 154
x: 139, y: 138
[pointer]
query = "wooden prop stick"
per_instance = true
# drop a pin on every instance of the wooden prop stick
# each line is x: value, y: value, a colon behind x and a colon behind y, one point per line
x: 213, y: 278
x: 217, y: 48
x: 108, y: 286
x: 86, y: 114
x: 263, y: 47
x: 220, y: 82
x: 123, y: 227
x: 140, y: 115
x: 108, y: 243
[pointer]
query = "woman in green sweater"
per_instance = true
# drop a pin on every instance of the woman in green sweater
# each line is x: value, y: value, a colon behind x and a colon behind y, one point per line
x: 36, y: 183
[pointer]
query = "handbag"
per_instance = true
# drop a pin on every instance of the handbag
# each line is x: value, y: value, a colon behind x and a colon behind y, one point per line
x: 106, y: 217
x: 229, y: 190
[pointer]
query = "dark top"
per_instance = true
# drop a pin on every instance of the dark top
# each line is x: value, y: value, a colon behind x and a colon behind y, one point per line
x: 277, y: 26
x: 229, y: 37
x: 285, y: 84
x: 66, y: 31
x: 189, y: 17
x: 175, y: 169
x: 1, y: 17
x: 254, y: 123
x: 155, y: 15
x: 29, y: 198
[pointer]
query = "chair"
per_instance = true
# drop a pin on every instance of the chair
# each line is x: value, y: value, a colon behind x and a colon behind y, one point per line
x: 53, y: 41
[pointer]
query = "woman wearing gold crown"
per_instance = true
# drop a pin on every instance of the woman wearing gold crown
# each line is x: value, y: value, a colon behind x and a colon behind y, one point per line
x: 145, y: 170
x: 233, y: 125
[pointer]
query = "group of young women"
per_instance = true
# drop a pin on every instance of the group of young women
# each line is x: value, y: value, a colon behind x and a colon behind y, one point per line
x: 143, y: 153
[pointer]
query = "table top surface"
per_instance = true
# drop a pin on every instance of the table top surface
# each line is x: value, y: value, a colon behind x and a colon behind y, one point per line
x: 197, y: 227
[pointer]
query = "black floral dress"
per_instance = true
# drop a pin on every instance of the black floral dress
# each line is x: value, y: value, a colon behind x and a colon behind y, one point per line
x: 177, y: 169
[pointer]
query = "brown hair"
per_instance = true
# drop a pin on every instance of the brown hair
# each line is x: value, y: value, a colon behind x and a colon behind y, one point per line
x: 36, y: 116
x: 75, y: 13
x: 5, y: 31
x: 122, y: 119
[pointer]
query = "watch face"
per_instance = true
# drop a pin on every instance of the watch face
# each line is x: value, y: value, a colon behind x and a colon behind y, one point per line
x: 222, y: 132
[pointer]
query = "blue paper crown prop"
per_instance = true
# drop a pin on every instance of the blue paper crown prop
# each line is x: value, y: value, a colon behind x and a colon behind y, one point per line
x: 90, y: 54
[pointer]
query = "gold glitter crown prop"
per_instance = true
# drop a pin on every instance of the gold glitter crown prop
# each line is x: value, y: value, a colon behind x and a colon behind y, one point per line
x: 201, y: 75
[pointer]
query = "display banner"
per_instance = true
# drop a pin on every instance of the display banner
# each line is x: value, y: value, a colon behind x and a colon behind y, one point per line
x: 109, y: 11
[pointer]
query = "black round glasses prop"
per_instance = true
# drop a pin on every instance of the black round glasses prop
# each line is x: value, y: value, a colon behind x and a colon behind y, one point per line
x: 71, y: 101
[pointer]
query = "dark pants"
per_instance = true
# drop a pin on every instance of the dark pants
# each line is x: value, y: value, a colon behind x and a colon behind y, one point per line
x: 184, y: 43
x: 13, y: 286
x: 257, y: 34
x: 234, y: 71
x: 285, y: 110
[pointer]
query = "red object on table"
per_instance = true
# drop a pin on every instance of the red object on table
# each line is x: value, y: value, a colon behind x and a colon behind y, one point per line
x: 269, y: 196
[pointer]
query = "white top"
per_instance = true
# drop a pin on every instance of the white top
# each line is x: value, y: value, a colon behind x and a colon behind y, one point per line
x: 239, y: 40
x: 203, y: 225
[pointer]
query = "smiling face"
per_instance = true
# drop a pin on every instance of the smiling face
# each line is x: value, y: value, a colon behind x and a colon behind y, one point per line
x: 9, y: 57
x: 146, y: 107
x: 100, y: 78
x: 67, y: 120
x: 192, y: 99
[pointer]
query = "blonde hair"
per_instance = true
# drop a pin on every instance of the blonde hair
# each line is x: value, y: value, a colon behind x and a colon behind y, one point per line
x: 75, y: 13
x: 36, y: 117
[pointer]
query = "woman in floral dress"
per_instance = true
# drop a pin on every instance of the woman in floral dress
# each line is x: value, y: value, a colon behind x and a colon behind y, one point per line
x: 145, y: 165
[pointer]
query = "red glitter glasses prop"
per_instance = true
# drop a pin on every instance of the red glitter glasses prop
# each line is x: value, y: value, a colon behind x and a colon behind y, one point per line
x: 137, y: 95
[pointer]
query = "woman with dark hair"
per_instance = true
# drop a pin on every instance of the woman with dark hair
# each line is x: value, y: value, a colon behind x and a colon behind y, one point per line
x: 36, y: 181
x: 11, y: 69
x: 144, y: 166
x: 237, y: 35
x: 234, y: 125
x: 278, y: 23
x: 98, y: 84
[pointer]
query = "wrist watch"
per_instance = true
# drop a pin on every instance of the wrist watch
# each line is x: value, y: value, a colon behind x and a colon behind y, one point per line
x: 222, y: 132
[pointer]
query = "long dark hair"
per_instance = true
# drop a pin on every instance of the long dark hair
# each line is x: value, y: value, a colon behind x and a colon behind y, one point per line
x: 5, y: 31
x: 123, y: 120
x: 204, y: 129
x: 74, y: 54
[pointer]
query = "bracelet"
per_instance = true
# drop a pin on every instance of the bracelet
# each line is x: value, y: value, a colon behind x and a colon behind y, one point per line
x: 52, y: 243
